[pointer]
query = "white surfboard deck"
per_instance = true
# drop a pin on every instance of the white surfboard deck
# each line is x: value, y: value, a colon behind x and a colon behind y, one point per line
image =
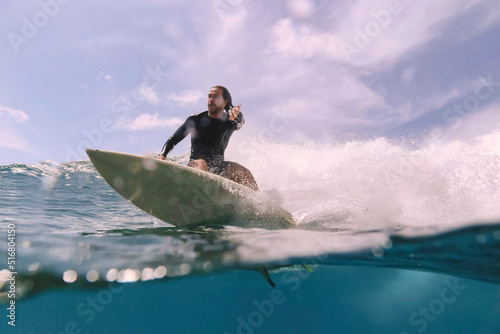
x: 184, y: 196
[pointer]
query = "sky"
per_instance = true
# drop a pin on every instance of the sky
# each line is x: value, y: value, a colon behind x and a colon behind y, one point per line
x: 123, y: 75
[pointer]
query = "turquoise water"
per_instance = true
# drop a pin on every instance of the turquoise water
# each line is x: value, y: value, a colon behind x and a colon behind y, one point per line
x: 392, y: 250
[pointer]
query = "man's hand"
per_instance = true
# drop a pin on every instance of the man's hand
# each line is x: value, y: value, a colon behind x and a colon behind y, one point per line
x: 233, y: 112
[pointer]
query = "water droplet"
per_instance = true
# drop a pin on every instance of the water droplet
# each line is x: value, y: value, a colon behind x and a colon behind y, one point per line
x: 150, y: 164
x: 118, y: 182
x: 481, y: 239
x: 70, y: 276
x: 378, y: 251
x: 92, y: 276
x: 387, y: 244
x: 208, y: 266
x: 185, y: 269
x: 111, y: 275
x: 148, y: 274
x: 34, y: 266
x: 128, y: 275
x: 160, y: 272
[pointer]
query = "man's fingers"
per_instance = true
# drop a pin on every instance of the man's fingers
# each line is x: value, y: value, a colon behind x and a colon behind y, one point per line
x: 233, y: 112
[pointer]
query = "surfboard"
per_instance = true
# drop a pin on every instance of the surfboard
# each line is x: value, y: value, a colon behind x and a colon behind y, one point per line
x: 184, y: 196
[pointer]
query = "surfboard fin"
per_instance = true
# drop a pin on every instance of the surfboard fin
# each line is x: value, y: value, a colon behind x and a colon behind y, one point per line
x: 308, y: 268
x: 266, y: 276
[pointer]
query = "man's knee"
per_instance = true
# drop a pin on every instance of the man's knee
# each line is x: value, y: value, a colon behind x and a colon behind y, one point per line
x: 240, y: 174
x: 234, y: 168
x: 199, y: 164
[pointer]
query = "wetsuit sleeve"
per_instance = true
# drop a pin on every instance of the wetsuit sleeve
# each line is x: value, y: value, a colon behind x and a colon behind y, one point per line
x: 238, y: 122
x: 179, y: 135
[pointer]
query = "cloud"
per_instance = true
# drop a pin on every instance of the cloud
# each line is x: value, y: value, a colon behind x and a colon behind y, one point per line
x: 11, y: 137
x: 149, y: 122
x: 101, y: 76
x: 14, y: 141
x: 344, y: 61
x: 300, y: 9
x: 303, y: 41
x: 18, y: 116
x: 481, y: 126
x: 185, y: 97
x: 285, y: 55
x: 492, y: 142
x: 378, y: 33
x: 452, y: 104
x: 148, y: 94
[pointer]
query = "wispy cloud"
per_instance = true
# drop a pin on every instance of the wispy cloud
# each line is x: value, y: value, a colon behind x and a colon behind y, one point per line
x: 148, y: 94
x: 11, y: 137
x: 101, y: 76
x: 483, y: 126
x: 300, y: 9
x: 346, y: 65
x: 305, y: 42
x: 18, y: 116
x: 149, y: 122
x: 375, y: 33
x: 185, y: 97
x: 459, y: 89
x: 14, y: 141
x: 332, y: 59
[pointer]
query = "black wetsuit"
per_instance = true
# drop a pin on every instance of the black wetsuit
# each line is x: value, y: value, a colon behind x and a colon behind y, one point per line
x: 209, y: 138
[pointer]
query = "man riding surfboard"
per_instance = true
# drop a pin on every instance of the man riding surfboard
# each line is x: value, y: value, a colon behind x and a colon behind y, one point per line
x: 210, y: 132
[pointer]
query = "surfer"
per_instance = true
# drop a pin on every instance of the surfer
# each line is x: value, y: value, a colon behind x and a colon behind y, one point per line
x: 210, y: 132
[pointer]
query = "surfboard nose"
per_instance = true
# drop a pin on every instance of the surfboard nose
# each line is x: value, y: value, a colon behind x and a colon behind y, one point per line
x: 90, y: 152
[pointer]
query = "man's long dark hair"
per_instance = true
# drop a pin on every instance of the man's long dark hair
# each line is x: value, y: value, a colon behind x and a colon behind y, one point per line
x: 226, y: 96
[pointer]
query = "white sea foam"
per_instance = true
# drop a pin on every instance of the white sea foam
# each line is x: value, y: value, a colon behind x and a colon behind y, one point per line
x: 381, y: 183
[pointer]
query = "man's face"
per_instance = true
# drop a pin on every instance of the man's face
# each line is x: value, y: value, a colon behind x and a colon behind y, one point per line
x: 216, y: 102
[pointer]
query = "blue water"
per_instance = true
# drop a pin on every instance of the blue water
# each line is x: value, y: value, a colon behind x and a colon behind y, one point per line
x: 399, y: 240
